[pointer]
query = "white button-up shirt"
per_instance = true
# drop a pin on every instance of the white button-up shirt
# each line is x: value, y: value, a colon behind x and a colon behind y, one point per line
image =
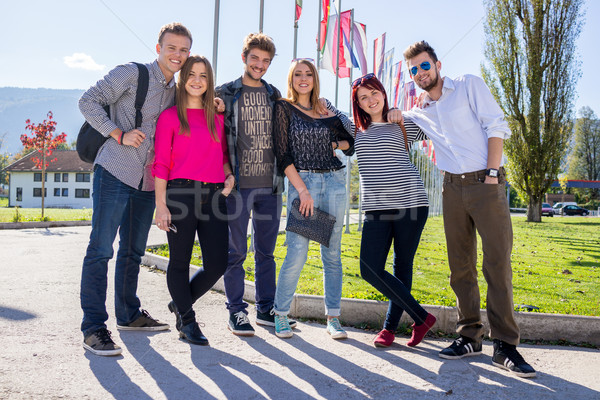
x: 460, y: 123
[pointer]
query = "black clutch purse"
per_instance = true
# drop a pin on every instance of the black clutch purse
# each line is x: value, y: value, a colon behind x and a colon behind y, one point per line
x: 317, y: 227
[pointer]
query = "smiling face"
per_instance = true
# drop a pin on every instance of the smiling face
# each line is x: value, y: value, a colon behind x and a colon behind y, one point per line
x: 371, y: 101
x: 426, y: 80
x: 303, y: 80
x: 256, y: 64
x: 172, y: 53
x: 197, y: 83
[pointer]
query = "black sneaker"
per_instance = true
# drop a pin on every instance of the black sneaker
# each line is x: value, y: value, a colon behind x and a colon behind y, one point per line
x: 239, y: 324
x: 507, y: 357
x: 101, y: 344
x: 461, y: 347
x: 144, y: 323
x: 268, y: 318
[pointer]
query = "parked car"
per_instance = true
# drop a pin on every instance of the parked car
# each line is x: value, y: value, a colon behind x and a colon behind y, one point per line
x: 547, y: 210
x: 558, y: 206
x: 574, y: 210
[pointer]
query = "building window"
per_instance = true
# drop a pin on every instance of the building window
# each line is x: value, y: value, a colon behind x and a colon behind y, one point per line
x: 65, y: 177
x: 56, y: 192
x: 82, y: 193
x: 37, y: 192
x: 82, y: 177
x: 65, y: 192
x: 37, y: 177
x: 57, y: 177
x: 19, y: 194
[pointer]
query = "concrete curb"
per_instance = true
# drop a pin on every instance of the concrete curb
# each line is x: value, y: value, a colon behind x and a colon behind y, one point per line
x: 42, y: 224
x: 534, y: 326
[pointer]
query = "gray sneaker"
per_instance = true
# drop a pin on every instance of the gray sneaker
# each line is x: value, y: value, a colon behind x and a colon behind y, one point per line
x: 144, y: 323
x: 101, y: 344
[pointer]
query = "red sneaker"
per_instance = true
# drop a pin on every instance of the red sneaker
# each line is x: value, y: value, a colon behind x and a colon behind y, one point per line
x: 384, y: 338
x: 419, y: 331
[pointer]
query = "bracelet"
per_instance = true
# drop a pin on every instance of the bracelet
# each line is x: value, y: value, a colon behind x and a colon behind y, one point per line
x: 121, y: 138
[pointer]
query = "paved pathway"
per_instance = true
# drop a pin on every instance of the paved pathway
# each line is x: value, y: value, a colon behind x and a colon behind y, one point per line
x: 42, y: 358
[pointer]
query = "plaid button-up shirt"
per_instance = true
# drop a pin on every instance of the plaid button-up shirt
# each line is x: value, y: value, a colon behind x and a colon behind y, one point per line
x: 130, y: 165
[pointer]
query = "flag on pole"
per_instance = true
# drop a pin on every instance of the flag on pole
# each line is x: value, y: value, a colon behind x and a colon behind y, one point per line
x: 329, y: 58
x: 298, y: 10
x: 396, y: 84
x: 359, y: 50
x: 323, y: 27
x: 378, y: 52
x: 387, y: 72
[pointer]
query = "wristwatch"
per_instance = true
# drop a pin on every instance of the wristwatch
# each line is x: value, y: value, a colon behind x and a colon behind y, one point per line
x: 491, y: 172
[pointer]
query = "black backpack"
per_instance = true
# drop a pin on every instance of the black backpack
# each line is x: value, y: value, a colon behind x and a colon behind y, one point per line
x: 90, y: 140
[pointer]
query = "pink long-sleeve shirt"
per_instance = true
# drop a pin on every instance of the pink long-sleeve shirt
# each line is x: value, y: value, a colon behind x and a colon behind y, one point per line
x: 196, y: 156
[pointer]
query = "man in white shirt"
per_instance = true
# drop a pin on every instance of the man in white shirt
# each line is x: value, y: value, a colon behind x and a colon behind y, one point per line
x: 468, y: 128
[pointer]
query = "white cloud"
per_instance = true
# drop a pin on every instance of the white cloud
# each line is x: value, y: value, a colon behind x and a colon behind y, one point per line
x: 82, y: 61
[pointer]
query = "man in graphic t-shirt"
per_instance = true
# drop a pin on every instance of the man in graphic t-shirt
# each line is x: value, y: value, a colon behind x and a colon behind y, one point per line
x: 248, y: 124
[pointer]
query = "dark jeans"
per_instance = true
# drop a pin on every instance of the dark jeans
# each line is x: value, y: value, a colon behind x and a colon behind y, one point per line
x: 196, y: 208
x: 404, y: 227
x: 266, y: 212
x: 116, y: 206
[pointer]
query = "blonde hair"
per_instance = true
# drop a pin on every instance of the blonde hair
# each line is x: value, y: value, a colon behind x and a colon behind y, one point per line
x: 292, y: 94
x: 208, y: 98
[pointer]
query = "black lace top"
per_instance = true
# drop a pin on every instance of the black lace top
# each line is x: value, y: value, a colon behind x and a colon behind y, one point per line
x: 305, y: 141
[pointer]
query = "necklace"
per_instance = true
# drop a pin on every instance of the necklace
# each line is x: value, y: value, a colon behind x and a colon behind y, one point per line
x: 304, y: 108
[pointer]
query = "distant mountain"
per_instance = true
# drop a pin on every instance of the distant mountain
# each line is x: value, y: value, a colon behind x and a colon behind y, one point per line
x: 20, y: 104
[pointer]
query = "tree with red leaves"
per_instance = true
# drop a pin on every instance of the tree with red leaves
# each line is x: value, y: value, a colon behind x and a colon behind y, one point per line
x: 43, y: 141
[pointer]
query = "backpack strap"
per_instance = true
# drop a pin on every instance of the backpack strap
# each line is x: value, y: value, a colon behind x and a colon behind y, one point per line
x: 142, y: 91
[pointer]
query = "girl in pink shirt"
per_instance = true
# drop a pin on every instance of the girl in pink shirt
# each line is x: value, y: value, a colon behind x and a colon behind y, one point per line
x: 192, y: 178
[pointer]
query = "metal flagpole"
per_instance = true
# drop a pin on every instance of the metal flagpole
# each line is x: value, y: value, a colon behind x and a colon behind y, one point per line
x: 348, y: 161
x: 216, y: 38
x: 337, y: 57
x: 262, y: 15
x: 319, y: 36
x: 295, y: 33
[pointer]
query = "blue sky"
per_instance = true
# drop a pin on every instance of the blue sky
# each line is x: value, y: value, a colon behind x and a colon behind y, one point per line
x: 46, y: 43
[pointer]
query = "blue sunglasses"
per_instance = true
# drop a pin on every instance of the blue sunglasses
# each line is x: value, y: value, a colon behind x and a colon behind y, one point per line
x: 425, y: 66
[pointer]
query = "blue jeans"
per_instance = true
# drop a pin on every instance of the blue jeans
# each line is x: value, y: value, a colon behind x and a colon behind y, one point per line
x: 266, y: 213
x: 328, y: 191
x: 404, y: 228
x: 116, y: 206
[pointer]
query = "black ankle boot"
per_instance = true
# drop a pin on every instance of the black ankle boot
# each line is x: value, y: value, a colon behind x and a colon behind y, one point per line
x: 173, y: 309
x: 192, y: 333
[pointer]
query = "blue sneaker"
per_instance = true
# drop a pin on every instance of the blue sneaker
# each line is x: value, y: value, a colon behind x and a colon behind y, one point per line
x: 282, y: 326
x: 334, y: 328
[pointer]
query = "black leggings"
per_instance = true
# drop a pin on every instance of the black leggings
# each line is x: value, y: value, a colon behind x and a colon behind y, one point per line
x: 403, y: 227
x: 196, y: 208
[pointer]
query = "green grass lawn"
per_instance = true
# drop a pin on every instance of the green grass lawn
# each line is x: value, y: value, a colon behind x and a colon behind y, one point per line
x: 556, y: 266
x: 9, y: 214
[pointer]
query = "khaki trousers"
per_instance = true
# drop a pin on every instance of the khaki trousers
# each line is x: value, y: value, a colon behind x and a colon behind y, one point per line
x: 471, y: 206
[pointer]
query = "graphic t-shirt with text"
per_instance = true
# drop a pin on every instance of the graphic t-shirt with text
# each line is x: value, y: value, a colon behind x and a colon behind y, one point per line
x: 255, y: 141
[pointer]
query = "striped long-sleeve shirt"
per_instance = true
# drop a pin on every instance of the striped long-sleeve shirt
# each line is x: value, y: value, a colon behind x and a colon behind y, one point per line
x: 388, y: 179
x: 118, y: 88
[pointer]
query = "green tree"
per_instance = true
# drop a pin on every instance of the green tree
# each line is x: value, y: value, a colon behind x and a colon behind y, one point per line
x: 532, y: 72
x: 4, y: 161
x: 584, y: 160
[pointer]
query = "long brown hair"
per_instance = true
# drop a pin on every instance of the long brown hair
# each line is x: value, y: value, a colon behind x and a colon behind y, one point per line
x: 292, y: 94
x: 208, y: 98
